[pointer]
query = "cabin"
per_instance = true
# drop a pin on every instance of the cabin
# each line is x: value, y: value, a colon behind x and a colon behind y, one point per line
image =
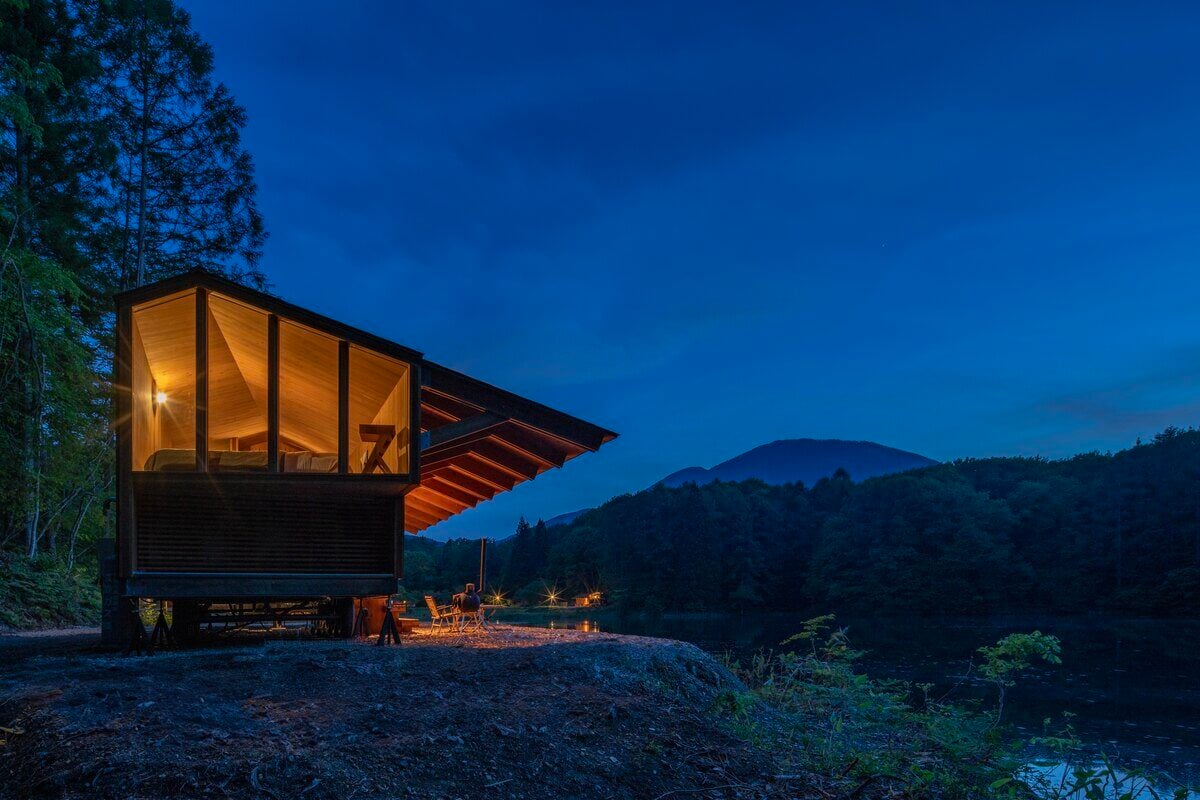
x: 589, y: 600
x: 270, y: 455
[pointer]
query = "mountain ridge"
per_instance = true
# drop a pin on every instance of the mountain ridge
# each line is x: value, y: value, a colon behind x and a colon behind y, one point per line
x: 790, y: 460
x: 805, y: 460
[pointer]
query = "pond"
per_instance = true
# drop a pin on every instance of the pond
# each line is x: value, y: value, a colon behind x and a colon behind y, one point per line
x: 1133, y: 684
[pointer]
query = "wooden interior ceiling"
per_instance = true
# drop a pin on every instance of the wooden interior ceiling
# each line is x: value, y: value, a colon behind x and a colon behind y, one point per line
x: 167, y: 330
x: 479, y: 441
x: 165, y: 334
x: 237, y: 369
x: 308, y: 387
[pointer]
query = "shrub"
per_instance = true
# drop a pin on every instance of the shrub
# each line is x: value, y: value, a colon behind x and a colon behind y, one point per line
x: 41, y: 593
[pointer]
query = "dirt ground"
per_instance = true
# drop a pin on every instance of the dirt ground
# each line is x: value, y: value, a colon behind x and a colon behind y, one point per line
x: 519, y: 712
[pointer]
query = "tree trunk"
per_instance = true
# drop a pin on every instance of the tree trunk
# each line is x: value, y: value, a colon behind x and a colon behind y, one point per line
x: 143, y: 137
x: 140, y: 276
x: 33, y: 453
x: 83, y: 509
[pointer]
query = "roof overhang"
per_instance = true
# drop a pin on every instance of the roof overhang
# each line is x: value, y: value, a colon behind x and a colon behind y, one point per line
x: 478, y: 440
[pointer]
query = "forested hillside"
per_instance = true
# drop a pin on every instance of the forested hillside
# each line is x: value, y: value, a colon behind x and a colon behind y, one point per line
x: 120, y: 163
x: 1116, y: 532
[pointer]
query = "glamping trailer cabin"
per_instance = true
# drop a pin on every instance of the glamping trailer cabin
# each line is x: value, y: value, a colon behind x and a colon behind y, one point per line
x: 268, y: 454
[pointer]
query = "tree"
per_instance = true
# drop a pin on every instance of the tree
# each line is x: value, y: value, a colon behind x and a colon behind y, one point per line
x: 184, y: 192
x: 540, y: 549
x: 521, y: 568
x: 120, y: 162
x: 51, y: 157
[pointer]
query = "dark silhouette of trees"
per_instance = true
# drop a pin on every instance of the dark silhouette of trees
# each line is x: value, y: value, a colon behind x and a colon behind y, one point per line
x: 1113, y: 532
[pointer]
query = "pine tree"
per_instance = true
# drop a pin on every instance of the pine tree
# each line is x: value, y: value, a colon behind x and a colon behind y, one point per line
x: 184, y: 192
x: 520, y: 570
x: 540, y: 549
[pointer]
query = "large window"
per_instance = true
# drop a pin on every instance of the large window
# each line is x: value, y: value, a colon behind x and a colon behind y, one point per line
x: 379, y: 414
x: 164, y: 384
x: 237, y: 386
x: 308, y: 400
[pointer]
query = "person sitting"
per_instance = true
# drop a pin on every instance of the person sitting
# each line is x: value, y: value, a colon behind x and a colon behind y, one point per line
x: 467, y: 601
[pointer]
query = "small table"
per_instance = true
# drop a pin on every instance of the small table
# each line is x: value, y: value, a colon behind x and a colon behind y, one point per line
x: 382, y: 436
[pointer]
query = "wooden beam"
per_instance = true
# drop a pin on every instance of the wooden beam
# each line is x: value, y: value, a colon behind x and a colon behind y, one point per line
x: 467, y: 498
x: 450, y: 405
x: 461, y: 480
x: 440, y: 502
x: 494, y: 476
x: 433, y: 418
x: 509, y: 460
x: 201, y: 380
x: 126, y: 524
x: 251, y: 297
x: 469, y: 428
x: 426, y: 505
x: 343, y: 407
x: 542, y: 448
x: 416, y: 513
x: 414, y: 423
x: 273, y: 393
x: 447, y: 382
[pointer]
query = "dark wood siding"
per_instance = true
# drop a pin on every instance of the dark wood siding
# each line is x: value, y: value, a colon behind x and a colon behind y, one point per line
x: 261, y: 526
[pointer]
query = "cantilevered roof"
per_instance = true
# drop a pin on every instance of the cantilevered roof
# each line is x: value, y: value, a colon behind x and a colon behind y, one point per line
x: 476, y: 440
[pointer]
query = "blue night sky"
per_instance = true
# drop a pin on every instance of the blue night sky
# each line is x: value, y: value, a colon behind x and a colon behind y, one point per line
x: 957, y: 229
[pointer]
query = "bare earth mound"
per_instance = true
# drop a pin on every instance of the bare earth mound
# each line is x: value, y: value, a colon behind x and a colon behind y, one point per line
x: 521, y: 713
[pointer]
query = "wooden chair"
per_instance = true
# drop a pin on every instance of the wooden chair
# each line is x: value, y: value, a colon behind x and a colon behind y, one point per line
x: 441, y: 617
x: 472, y: 620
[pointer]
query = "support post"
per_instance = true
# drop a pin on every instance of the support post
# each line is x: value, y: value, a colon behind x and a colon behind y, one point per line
x: 201, y: 380
x: 482, y: 563
x: 343, y: 407
x: 273, y: 393
x: 126, y: 523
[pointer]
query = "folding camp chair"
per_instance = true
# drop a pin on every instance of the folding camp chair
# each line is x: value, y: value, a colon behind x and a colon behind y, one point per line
x: 441, y: 617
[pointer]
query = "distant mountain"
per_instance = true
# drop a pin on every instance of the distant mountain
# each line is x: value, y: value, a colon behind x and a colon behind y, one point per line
x: 791, y: 460
x: 806, y: 460
x: 567, y: 518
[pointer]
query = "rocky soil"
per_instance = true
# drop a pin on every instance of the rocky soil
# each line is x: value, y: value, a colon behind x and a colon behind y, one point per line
x: 521, y: 713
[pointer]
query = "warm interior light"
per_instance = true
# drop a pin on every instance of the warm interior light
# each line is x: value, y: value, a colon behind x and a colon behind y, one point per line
x: 160, y: 397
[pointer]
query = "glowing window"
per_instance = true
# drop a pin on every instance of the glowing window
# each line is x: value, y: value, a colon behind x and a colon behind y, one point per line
x: 378, y: 435
x: 164, y: 384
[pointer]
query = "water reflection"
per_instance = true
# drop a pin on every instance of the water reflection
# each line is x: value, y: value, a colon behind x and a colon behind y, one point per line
x: 1063, y: 782
x: 585, y: 625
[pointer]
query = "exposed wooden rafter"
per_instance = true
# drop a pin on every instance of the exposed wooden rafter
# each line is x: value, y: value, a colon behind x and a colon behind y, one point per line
x: 467, y: 428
